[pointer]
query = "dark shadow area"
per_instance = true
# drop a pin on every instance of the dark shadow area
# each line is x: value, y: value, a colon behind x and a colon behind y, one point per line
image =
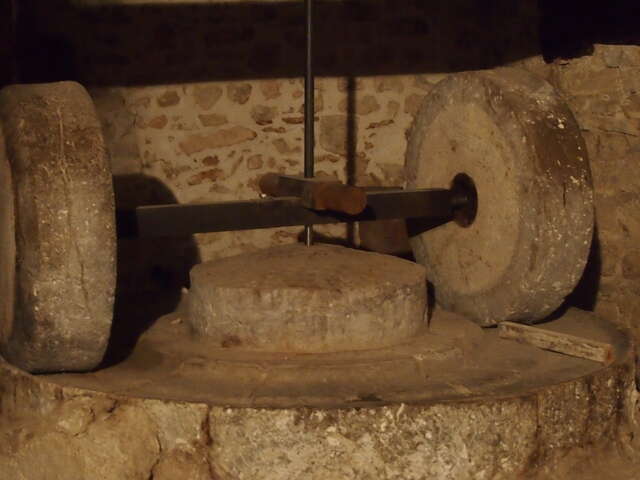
x: 386, y: 236
x: 8, y: 11
x: 416, y: 226
x: 178, y: 43
x: 352, y: 147
x: 585, y: 295
x: 569, y: 29
x: 151, y: 271
x: 431, y: 301
x: 321, y: 238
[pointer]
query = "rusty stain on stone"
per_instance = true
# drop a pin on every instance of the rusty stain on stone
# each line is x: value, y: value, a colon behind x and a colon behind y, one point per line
x: 239, y: 93
x: 210, y: 161
x: 333, y: 133
x: 254, y: 162
x: 363, y: 106
x: 382, y: 123
x: 220, y: 138
x: 270, y: 89
x: 293, y: 120
x: 412, y: 103
x: 274, y: 130
x: 389, y: 84
x: 168, y: 99
x: 393, y: 108
x: 283, y: 147
x: 213, y: 175
x: 393, y: 174
x: 263, y: 115
x: 143, y: 102
x: 212, y: 119
x: 328, y: 158
x: 206, y: 95
x: 158, y: 122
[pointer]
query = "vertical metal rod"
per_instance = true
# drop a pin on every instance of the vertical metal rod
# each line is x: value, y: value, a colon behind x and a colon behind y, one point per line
x: 13, y: 74
x: 309, y: 108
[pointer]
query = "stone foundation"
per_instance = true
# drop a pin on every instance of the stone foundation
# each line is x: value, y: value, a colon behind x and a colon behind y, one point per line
x: 125, y: 422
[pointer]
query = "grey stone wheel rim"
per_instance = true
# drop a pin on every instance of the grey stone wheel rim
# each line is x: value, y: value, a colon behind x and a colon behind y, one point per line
x: 58, y: 312
x: 512, y: 134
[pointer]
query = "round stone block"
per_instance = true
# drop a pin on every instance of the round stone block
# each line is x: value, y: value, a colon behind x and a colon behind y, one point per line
x: 294, y: 298
x: 57, y: 227
x: 525, y: 250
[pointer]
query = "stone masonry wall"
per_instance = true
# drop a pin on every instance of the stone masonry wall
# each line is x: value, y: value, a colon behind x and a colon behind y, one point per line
x: 205, y: 98
x: 603, y: 90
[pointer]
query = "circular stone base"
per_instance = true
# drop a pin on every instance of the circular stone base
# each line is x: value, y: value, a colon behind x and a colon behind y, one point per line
x: 474, y: 406
x: 294, y: 298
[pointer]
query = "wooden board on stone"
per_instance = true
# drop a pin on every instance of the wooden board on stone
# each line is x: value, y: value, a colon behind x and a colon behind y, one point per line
x: 559, y: 342
x: 57, y: 226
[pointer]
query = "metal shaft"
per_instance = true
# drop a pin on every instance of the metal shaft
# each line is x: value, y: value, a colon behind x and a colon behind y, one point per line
x: 309, y: 109
x: 433, y: 206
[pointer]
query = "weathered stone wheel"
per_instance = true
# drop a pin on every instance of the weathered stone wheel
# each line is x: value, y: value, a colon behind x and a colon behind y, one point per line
x: 526, y: 246
x: 57, y: 227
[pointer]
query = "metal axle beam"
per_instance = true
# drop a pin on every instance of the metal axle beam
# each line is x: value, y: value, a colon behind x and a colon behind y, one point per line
x: 437, y: 205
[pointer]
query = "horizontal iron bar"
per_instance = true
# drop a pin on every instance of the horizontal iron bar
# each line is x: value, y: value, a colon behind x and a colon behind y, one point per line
x: 186, y: 219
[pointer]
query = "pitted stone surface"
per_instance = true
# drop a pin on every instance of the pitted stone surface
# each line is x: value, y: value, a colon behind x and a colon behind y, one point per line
x: 295, y: 298
x: 57, y: 315
x: 139, y: 420
x: 513, y: 135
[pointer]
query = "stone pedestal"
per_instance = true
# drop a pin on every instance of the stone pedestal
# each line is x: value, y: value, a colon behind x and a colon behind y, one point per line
x: 295, y: 298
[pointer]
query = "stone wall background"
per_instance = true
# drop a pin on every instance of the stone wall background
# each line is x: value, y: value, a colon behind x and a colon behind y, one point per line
x: 206, y: 97
x: 603, y: 90
x: 198, y: 99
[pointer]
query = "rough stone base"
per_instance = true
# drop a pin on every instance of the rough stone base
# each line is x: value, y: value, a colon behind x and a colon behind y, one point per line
x: 52, y: 427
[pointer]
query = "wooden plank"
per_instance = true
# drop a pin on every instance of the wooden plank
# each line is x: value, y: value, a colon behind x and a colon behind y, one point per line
x: 557, y: 342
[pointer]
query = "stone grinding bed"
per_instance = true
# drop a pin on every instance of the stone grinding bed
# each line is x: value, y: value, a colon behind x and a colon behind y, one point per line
x: 449, y: 400
x: 315, y: 362
x: 256, y: 364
